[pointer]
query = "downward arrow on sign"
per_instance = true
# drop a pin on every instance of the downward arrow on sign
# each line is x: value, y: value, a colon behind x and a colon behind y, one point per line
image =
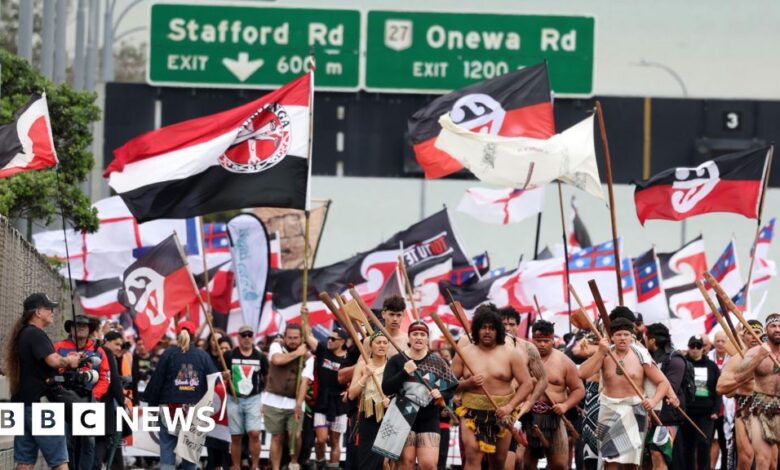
x: 242, y: 68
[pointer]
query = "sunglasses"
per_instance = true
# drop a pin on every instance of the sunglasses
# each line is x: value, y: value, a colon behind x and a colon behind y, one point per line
x: 246, y: 335
x: 334, y: 338
x: 696, y: 346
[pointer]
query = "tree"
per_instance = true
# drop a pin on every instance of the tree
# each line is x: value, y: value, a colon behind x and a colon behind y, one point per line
x: 37, y: 195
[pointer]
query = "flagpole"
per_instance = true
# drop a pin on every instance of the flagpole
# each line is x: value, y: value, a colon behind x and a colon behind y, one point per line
x: 565, y: 251
x: 409, y: 289
x: 306, y: 214
x: 202, y: 244
x: 536, y: 241
x: 67, y: 253
x: 758, y: 222
x: 608, y: 167
x: 214, y: 343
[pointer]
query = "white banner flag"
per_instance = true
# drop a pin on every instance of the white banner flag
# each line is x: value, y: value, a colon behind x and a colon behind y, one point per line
x: 502, y: 206
x: 251, y: 258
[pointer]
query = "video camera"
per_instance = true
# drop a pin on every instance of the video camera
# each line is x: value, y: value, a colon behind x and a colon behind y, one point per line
x: 76, y: 379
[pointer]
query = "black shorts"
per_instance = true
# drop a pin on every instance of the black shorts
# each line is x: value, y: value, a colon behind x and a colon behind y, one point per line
x: 513, y: 446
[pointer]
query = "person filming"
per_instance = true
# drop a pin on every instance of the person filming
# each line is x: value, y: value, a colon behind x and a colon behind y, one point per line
x: 29, y: 349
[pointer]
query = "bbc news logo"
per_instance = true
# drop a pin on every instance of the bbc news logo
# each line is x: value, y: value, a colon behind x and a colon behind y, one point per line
x: 89, y: 419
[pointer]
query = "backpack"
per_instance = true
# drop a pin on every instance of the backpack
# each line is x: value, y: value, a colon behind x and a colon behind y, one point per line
x: 687, y: 391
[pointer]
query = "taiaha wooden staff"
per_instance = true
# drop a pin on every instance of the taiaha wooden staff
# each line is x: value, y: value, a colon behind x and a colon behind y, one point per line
x: 581, y: 320
x: 730, y: 334
x: 409, y: 290
x: 730, y: 305
x: 352, y: 333
x: 758, y: 221
x: 594, y: 290
x: 613, y: 219
x: 209, y: 320
x: 367, y: 311
x: 730, y: 323
x: 460, y: 315
x: 458, y: 351
x: 639, y: 393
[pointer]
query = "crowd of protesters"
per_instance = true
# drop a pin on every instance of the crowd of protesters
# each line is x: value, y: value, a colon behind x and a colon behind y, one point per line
x: 715, y: 401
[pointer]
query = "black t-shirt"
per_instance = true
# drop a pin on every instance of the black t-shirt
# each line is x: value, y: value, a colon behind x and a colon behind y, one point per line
x: 34, y: 347
x: 326, y: 370
x: 248, y: 372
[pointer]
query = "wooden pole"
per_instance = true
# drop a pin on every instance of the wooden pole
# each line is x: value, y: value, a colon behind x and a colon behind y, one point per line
x: 594, y: 290
x: 409, y: 289
x: 724, y: 326
x: 209, y: 320
x: 205, y: 270
x: 727, y: 317
x: 608, y: 168
x: 758, y: 222
x: 457, y: 310
x: 565, y: 250
x: 592, y: 327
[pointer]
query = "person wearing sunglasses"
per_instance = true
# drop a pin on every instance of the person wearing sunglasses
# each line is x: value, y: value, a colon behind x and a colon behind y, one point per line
x: 330, y: 409
x: 249, y: 368
x: 704, y: 408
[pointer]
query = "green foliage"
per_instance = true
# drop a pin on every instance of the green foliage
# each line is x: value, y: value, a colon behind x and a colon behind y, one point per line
x: 35, y: 195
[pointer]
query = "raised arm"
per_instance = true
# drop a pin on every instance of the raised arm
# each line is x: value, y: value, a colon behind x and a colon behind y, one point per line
x: 727, y: 382
x: 282, y: 358
x: 593, y: 363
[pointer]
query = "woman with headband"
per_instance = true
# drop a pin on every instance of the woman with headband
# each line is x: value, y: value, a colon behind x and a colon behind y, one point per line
x: 372, y: 403
x: 410, y: 428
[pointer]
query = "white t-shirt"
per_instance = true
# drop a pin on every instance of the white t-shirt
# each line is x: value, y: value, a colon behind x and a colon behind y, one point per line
x: 278, y: 401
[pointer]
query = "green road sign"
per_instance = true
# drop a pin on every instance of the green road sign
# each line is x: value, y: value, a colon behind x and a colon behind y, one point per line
x: 250, y: 46
x: 416, y: 51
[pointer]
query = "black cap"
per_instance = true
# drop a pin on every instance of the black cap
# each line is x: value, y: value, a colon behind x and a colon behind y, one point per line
x: 112, y: 335
x: 696, y: 340
x: 38, y: 300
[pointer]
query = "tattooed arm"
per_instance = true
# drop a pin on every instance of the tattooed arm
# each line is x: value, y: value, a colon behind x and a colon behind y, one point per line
x: 536, y: 368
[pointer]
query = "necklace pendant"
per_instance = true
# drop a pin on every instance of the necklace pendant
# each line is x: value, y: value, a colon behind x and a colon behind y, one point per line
x: 775, y: 369
x: 619, y: 371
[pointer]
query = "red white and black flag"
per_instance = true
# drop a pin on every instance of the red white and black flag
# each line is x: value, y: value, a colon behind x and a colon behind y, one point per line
x: 157, y: 287
x: 731, y: 183
x: 27, y: 144
x: 517, y: 104
x: 250, y: 156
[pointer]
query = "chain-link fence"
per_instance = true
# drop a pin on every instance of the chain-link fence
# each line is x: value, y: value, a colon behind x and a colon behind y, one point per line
x: 24, y: 271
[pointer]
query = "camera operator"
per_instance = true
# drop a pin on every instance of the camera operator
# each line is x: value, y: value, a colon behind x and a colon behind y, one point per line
x: 30, y: 350
x: 113, y: 399
x: 81, y: 449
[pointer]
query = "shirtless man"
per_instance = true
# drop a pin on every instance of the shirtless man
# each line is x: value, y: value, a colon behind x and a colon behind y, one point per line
x: 564, y: 392
x: 765, y: 410
x: 511, y: 319
x: 742, y: 392
x: 484, y: 429
x: 623, y: 415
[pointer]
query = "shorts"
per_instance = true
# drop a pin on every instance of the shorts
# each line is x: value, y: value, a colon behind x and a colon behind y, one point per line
x: 277, y: 420
x: 53, y: 448
x: 245, y: 415
x: 338, y: 425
